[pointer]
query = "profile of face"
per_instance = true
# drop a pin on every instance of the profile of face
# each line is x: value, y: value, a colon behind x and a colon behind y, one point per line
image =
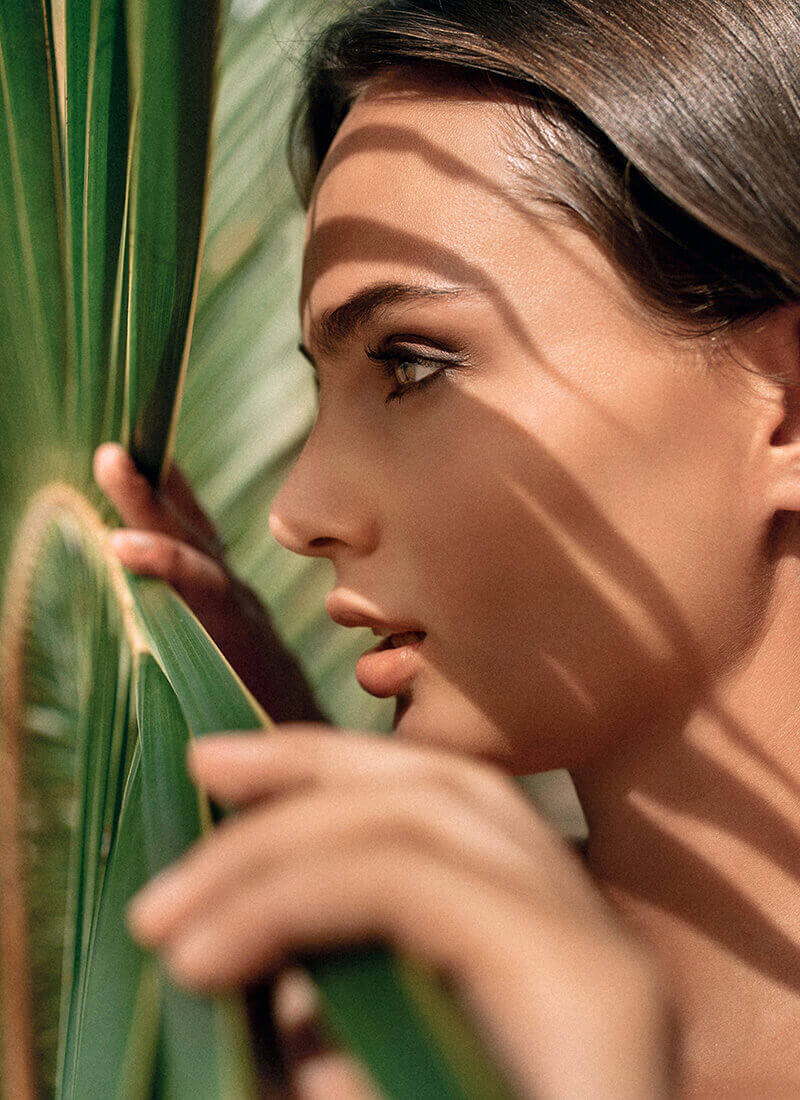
x: 570, y: 503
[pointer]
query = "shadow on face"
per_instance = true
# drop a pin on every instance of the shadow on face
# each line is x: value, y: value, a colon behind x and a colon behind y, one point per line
x: 569, y: 508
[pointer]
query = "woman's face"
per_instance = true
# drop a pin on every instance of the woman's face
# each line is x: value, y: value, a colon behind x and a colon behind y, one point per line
x: 573, y: 511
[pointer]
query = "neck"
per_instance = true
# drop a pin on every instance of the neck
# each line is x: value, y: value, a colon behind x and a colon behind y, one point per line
x: 693, y: 838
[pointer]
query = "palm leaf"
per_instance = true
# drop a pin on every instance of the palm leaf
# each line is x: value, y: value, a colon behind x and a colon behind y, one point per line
x: 66, y: 278
x: 193, y: 1061
x: 171, y: 98
x: 97, y: 123
x: 112, y: 717
x: 104, y: 678
x: 33, y: 336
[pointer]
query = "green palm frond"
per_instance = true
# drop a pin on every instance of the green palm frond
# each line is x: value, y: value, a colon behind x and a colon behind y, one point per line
x: 105, y: 136
x: 98, y: 740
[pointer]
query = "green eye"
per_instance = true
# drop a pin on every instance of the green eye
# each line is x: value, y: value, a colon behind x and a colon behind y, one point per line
x: 404, y: 367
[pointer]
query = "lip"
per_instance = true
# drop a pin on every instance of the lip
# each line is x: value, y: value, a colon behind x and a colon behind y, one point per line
x: 386, y: 670
x: 347, y: 609
x: 382, y: 670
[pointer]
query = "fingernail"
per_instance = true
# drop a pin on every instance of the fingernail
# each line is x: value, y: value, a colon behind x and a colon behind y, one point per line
x: 130, y: 540
x: 104, y: 452
x: 296, y: 1000
x: 107, y: 447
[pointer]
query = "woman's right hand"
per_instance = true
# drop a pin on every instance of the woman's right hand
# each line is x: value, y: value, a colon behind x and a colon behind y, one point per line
x: 167, y: 535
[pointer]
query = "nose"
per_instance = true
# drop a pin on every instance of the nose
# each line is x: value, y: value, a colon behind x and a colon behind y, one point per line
x: 321, y: 509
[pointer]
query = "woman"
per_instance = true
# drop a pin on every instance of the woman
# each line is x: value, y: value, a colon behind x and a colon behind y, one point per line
x: 566, y: 235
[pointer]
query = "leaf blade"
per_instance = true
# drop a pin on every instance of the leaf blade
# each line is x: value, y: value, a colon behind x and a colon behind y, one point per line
x: 172, y: 51
x: 205, y: 1047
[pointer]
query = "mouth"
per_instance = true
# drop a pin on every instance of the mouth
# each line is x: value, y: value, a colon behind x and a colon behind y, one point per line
x: 389, y: 667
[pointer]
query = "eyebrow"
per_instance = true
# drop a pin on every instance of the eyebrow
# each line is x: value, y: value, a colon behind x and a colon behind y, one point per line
x: 339, y: 324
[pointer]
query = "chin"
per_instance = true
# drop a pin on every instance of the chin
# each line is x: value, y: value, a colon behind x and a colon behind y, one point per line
x: 401, y: 705
x: 413, y: 722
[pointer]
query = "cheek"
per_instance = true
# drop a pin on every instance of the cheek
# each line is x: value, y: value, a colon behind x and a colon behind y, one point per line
x: 519, y: 629
x: 576, y: 585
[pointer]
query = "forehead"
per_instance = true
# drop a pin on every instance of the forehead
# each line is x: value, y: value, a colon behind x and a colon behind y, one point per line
x: 413, y: 189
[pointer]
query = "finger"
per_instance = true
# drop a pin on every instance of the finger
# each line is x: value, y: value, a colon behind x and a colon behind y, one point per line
x: 317, y: 1069
x: 532, y: 984
x: 249, y: 767
x: 243, y: 768
x: 140, y: 506
x: 296, y: 1012
x: 332, y: 1075
x: 179, y: 491
x: 408, y: 900
x: 197, y: 578
x: 423, y: 818
x: 130, y: 492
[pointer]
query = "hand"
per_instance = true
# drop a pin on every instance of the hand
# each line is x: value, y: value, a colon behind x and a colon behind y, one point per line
x: 172, y: 538
x: 348, y: 838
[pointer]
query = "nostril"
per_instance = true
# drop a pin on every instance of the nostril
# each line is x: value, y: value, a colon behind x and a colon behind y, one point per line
x: 285, y: 535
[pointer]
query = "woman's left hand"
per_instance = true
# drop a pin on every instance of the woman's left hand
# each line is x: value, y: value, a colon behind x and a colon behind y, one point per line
x: 352, y: 837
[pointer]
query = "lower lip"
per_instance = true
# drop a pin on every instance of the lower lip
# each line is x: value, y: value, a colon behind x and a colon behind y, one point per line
x: 385, y: 672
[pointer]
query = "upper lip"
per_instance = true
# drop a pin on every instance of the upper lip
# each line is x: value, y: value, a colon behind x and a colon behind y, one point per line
x: 346, y: 612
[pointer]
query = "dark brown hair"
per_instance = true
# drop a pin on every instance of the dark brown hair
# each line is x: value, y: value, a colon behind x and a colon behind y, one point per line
x: 670, y: 131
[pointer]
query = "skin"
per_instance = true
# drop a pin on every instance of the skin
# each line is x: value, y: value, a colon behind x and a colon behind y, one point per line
x: 594, y: 522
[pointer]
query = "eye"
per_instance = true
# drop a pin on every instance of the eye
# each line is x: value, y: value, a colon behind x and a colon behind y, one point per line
x: 414, y: 371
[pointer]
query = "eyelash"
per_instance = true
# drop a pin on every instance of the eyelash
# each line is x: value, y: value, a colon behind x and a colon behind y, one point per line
x: 389, y: 359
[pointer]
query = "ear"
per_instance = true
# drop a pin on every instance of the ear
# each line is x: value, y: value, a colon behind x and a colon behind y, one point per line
x: 773, y: 348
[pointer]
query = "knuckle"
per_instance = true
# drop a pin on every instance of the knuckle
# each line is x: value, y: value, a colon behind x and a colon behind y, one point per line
x: 171, y: 557
x: 392, y: 866
x: 407, y: 824
x: 493, y: 778
x: 137, y: 487
x: 485, y: 779
x: 425, y: 822
x: 469, y: 769
x: 220, y: 580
